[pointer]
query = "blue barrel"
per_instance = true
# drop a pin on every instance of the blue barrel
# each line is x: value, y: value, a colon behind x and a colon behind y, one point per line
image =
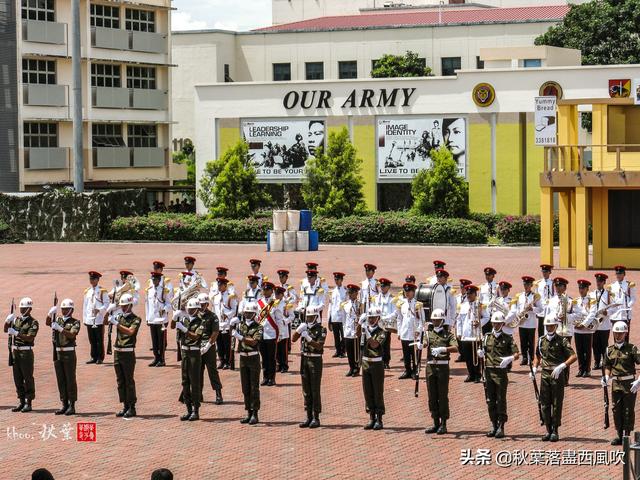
x: 305, y: 220
x: 314, y: 240
x: 268, y: 243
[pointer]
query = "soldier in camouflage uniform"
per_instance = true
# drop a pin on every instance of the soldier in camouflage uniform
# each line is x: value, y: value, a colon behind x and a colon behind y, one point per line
x: 313, y: 335
x: 553, y: 355
x: 373, y: 338
x: 620, y: 363
x: 211, y: 328
x: 23, y: 328
x: 440, y: 344
x: 499, y: 351
x: 65, y: 330
x: 191, y: 327
x: 249, y: 334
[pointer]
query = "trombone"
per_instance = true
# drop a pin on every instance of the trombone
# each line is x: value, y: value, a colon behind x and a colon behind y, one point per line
x: 477, y: 334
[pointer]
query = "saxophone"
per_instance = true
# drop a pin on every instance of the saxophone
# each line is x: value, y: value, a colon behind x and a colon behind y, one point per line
x: 524, y: 313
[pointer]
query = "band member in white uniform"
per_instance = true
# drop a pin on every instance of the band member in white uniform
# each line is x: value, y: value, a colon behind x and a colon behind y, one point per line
x: 352, y: 309
x: 388, y: 316
x: 94, y: 307
x: 546, y: 289
x: 410, y: 326
x: 158, y: 305
x: 603, y: 305
x: 524, y: 311
x: 582, y: 334
x: 337, y: 314
x: 473, y: 318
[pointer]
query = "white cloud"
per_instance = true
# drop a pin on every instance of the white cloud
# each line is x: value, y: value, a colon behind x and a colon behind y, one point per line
x: 239, y: 15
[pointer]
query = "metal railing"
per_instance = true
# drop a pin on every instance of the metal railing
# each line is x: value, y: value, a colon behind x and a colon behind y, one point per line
x: 131, y: 98
x: 118, y: 41
x: 561, y: 158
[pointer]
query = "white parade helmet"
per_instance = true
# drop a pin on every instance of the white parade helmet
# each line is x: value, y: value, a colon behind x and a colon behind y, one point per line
x: 620, y: 327
x: 437, y: 314
x: 251, y: 307
x: 126, y: 299
x: 374, y: 311
x: 550, y: 321
x: 203, y: 298
x: 311, y: 311
x: 497, y: 317
x: 193, y: 304
x: 67, y: 303
x: 26, y: 302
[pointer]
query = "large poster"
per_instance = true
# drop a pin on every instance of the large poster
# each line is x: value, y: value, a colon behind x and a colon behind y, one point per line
x: 545, y: 118
x: 280, y: 148
x: 405, y: 144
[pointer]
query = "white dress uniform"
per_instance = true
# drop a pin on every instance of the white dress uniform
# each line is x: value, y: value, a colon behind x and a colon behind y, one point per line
x: 519, y: 303
x: 506, y: 302
x: 468, y: 313
x: 251, y: 295
x: 431, y: 281
x: 282, y: 315
x: 410, y: 319
x: 261, y: 278
x: 225, y: 307
x: 545, y: 288
x: 624, y: 295
x: 583, y: 311
x: 336, y: 312
x: 95, y: 298
x: 185, y: 280
x: 450, y: 310
x: 311, y: 296
x: 214, y: 288
x: 599, y: 300
x: 351, y: 318
x: 553, y: 310
x: 164, y: 282
x: 158, y: 304
x: 290, y: 296
x: 368, y: 290
x: 460, y: 299
x: 389, y: 316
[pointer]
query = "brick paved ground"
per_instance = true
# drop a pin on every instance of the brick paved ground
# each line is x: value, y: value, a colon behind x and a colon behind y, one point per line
x: 218, y: 446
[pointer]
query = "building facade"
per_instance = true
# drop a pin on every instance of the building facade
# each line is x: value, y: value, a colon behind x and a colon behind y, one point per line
x: 126, y: 91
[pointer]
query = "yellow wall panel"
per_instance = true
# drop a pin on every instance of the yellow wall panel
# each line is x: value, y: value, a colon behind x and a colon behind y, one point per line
x: 364, y: 139
x: 534, y: 166
x: 479, y: 167
x: 227, y: 137
x: 509, y: 168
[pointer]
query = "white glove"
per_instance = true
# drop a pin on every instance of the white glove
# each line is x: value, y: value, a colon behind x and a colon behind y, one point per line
x: 558, y: 370
x: 532, y: 373
x: 506, y: 361
x: 367, y: 333
x: 205, y: 349
x: 180, y: 326
x: 604, y: 381
x: 306, y: 336
x: 57, y: 327
x: 178, y: 314
x: 480, y: 353
x: 302, y: 328
x: 238, y: 336
x: 111, y: 308
x: 12, y: 331
x: 113, y: 321
x: 419, y: 346
x: 52, y: 311
x: 234, y: 321
x: 635, y: 386
x: 437, y: 351
x: 363, y: 318
x: 10, y: 318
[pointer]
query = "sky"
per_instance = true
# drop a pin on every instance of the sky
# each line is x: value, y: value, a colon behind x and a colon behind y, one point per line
x: 220, y: 14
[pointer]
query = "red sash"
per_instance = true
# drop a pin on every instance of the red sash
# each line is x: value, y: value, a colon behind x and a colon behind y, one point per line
x: 262, y: 303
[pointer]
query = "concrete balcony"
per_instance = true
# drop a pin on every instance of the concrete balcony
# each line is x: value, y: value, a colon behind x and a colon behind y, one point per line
x: 127, y: 157
x: 46, y: 158
x: 148, y: 42
x: 118, y: 39
x: 107, y: 97
x: 147, y: 99
x: 135, y: 98
x: 44, y: 32
x: 45, y: 95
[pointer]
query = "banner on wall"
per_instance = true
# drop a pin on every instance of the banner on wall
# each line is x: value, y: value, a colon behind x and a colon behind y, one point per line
x: 405, y: 144
x: 280, y: 149
x: 636, y: 91
x: 546, y: 129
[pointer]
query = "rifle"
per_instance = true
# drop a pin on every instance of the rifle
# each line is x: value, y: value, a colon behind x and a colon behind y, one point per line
x: 606, y: 403
x: 536, y: 392
x: 116, y: 284
x: 418, y: 362
x: 179, y: 333
x: 53, y: 332
x: 10, y: 341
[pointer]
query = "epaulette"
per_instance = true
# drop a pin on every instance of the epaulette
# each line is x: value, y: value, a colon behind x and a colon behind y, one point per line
x: 454, y: 291
x: 233, y: 295
x: 608, y: 287
x: 592, y: 301
x: 322, y: 280
x: 229, y: 284
x: 458, y: 308
x: 399, y: 303
x: 180, y: 276
x: 419, y: 305
x: 537, y: 282
x: 103, y: 290
x: 632, y: 284
x: 320, y: 290
x: 574, y: 301
x: 166, y: 290
x: 148, y: 288
x: 289, y: 287
x: 342, y: 304
x: 276, y: 302
x: 87, y: 289
x: 513, y: 302
x: 265, y: 278
x: 301, y: 281
x: 450, y: 280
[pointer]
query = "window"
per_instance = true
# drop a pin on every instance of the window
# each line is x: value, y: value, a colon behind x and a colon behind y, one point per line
x: 450, y: 65
x: 624, y: 219
x: 43, y: 10
x: 227, y: 75
x: 348, y: 69
x: 374, y: 64
x: 141, y: 77
x: 479, y: 63
x: 105, y: 16
x: 281, y: 72
x: 532, y: 62
x: 42, y: 72
x: 142, y: 136
x: 105, y: 75
x: 40, y: 135
x: 314, y: 70
x: 139, y: 20
x: 107, y: 135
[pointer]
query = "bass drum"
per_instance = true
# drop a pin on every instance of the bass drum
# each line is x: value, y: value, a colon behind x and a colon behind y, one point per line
x: 424, y: 294
x: 439, y: 297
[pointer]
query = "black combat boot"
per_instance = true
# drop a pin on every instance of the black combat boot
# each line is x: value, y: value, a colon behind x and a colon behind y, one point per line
x: 349, y: 373
x: 404, y: 375
x: 434, y: 429
x: 121, y: 413
x: 62, y: 410
x: 492, y: 432
x: 254, y: 418
x: 71, y: 410
x: 248, y: 417
x: 188, y: 414
x: 315, y: 423
x: 443, y: 427
x: 219, y: 397
x: 554, y: 437
x: 195, y: 415
x: 307, y: 422
x: 372, y: 421
x: 19, y: 407
x: 618, y: 440
x: 547, y: 436
x: 378, y: 425
x: 27, y: 407
x: 131, y: 412
x: 500, y: 430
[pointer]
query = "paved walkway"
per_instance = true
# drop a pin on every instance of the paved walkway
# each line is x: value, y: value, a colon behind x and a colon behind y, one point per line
x: 219, y: 447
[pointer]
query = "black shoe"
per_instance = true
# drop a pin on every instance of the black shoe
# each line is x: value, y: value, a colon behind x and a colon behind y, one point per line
x: 131, y: 412
x: 264, y: 382
x: 378, y: 425
x: 387, y: 367
x: 219, y: 400
x: 492, y: 432
x: 434, y: 429
x: 356, y: 372
x: 307, y: 422
x: 187, y: 415
x: 477, y: 380
x: 93, y: 360
x: 99, y: 362
x: 586, y: 374
x: 154, y: 363
x: 404, y: 375
x: 469, y: 379
x: 279, y: 370
x: 335, y: 355
x: 272, y: 382
x: 254, y: 418
x: 160, y: 364
x: 248, y: 417
x: 349, y: 373
x: 414, y: 375
x: 71, y: 410
x: 459, y: 359
x: 554, y: 437
x: 500, y: 430
x: 579, y: 374
x: 597, y: 366
x: 123, y: 411
x: 27, y: 407
x: 524, y: 362
x: 315, y: 423
x: 443, y: 428
x: 618, y: 440
x: 195, y: 415
x: 62, y: 410
x: 19, y: 407
x: 372, y: 422
x: 224, y: 367
x: 221, y: 366
x: 547, y: 436
x: 342, y: 355
x: 285, y: 369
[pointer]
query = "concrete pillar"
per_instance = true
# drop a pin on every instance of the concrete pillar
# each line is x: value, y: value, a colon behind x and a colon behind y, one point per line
x: 565, y: 229
x: 546, y: 225
x: 582, y: 228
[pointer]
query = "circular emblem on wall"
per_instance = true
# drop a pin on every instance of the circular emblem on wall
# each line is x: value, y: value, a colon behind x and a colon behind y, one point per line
x: 483, y: 94
x: 551, y: 89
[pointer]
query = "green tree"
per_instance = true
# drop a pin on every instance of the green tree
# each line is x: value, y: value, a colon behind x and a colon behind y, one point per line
x: 439, y: 190
x: 333, y: 183
x: 187, y: 156
x: 229, y: 187
x: 394, y: 66
x: 606, y: 31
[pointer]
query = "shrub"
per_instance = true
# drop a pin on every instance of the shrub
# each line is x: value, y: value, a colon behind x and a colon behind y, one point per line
x: 490, y: 220
x: 519, y: 229
x: 7, y: 234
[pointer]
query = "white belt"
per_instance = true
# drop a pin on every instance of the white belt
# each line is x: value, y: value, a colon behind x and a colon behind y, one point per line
x: 312, y: 354
x: 190, y: 348
x: 27, y: 347
x: 438, y: 362
x: 372, y: 359
x: 248, y: 354
x: 626, y: 377
x: 65, y: 349
x: 124, y: 349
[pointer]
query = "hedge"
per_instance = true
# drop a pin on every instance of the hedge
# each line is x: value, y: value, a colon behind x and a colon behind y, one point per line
x: 7, y: 234
x: 371, y: 228
x: 516, y: 229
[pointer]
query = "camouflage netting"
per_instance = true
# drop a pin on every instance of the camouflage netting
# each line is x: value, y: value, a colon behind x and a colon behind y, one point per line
x: 63, y: 215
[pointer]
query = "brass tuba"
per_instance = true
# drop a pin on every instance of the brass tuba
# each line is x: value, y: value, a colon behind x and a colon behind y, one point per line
x: 192, y: 290
x: 130, y: 285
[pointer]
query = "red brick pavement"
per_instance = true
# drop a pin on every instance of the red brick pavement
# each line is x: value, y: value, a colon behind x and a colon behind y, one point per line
x: 218, y: 446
